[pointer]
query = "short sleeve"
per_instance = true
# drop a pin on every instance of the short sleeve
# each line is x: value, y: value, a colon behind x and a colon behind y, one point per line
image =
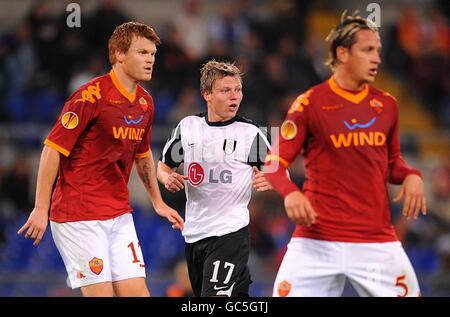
x: 144, y: 147
x: 78, y: 111
x: 260, y: 147
x: 293, y: 132
x: 173, y: 153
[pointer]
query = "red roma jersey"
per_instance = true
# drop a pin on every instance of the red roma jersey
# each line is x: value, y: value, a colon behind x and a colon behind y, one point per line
x: 101, y: 130
x: 351, y: 149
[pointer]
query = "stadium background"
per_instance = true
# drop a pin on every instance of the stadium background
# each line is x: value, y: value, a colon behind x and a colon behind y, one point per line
x: 279, y: 44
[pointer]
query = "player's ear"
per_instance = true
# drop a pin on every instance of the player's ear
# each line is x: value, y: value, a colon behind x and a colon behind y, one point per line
x: 207, y: 96
x: 120, y: 56
x: 342, y: 54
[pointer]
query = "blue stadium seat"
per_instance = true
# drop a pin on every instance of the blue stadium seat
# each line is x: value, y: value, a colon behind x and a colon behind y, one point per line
x: 424, y: 259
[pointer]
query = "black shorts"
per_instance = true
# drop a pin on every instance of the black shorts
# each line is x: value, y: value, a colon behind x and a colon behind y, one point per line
x: 218, y: 265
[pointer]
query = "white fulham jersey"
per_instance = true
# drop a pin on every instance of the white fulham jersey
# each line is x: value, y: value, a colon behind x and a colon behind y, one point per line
x: 218, y: 159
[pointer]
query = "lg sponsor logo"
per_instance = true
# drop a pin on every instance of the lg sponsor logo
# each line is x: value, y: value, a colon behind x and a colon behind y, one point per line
x: 197, y: 175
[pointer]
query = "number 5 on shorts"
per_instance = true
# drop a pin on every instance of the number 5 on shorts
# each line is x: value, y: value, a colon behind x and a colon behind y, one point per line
x: 401, y: 283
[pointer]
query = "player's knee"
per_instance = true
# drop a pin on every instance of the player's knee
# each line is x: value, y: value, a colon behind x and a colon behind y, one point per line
x: 134, y: 287
x: 98, y: 290
x: 144, y: 292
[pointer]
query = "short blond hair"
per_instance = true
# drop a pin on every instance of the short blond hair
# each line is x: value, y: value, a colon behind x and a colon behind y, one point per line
x: 344, y: 34
x: 120, y: 40
x: 213, y: 70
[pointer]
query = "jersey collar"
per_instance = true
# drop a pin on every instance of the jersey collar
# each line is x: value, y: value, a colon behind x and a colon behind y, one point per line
x: 352, y: 97
x: 221, y: 123
x: 130, y: 96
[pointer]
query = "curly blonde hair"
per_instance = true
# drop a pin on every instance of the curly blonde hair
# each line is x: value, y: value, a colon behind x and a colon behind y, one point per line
x: 344, y: 34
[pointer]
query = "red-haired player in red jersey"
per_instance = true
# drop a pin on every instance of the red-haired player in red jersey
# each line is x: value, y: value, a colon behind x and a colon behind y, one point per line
x: 104, y: 127
x: 347, y: 132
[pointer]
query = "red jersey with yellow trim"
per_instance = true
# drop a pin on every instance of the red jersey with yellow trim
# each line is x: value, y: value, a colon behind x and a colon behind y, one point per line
x: 351, y: 149
x: 101, y: 130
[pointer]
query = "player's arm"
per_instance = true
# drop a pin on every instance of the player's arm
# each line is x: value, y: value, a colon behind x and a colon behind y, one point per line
x: 257, y: 154
x: 260, y: 182
x: 78, y: 111
x: 146, y: 171
x: 38, y: 219
x: 171, y: 157
x: 171, y: 180
x: 412, y: 187
x: 287, y: 146
x: 297, y: 206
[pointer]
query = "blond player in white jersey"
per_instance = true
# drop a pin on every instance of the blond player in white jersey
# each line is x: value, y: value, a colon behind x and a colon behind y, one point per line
x: 222, y: 154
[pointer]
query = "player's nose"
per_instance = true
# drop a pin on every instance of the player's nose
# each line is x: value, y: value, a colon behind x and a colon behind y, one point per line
x: 376, y: 58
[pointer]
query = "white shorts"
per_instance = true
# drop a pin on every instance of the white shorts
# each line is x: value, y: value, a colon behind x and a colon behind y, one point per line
x: 319, y: 268
x: 98, y: 251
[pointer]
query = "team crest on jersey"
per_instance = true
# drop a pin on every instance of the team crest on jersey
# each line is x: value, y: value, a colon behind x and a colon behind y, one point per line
x: 69, y: 120
x: 284, y: 288
x: 96, y: 265
x: 288, y: 130
x: 143, y: 104
x: 229, y: 146
x: 376, y: 105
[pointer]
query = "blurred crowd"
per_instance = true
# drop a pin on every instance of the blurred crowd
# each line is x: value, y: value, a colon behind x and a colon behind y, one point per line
x: 42, y: 61
x: 418, y: 50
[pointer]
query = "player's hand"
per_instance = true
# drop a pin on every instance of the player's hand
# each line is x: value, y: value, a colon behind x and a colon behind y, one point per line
x: 36, y: 225
x: 175, y: 182
x: 171, y: 215
x: 260, y: 182
x: 412, y: 192
x: 299, y: 209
